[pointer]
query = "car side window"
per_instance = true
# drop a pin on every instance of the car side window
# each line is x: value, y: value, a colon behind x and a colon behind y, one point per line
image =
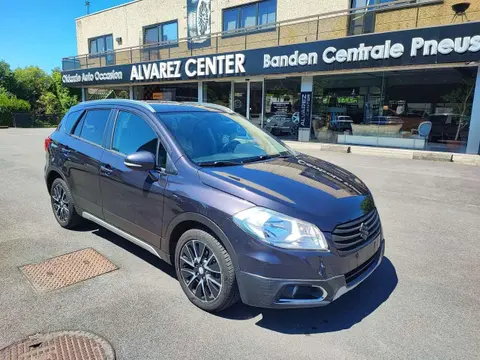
x: 132, y: 134
x: 70, y: 120
x: 93, y: 126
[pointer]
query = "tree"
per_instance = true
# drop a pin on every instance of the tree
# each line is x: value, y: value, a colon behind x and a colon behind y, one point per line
x: 7, y: 78
x: 48, y: 104
x: 32, y: 82
x: 461, y: 98
x: 67, y: 97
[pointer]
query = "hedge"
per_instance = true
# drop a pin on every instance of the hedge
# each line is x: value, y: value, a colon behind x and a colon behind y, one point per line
x: 10, y: 105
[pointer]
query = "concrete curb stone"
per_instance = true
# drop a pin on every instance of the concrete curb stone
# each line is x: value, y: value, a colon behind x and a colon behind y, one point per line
x: 468, y: 159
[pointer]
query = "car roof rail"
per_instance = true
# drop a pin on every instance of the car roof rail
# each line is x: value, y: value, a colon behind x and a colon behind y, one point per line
x: 211, y: 106
x: 144, y: 104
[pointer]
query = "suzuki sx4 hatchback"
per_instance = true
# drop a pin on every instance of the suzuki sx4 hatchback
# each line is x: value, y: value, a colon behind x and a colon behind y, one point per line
x: 235, y: 211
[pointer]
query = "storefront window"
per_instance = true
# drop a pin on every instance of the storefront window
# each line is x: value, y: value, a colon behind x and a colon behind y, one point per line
x: 107, y: 93
x: 217, y: 92
x: 282, y: 105
x: 422, y: 109
x: 168, y: 92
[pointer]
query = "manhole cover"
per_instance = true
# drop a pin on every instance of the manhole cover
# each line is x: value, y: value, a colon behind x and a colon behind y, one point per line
x: 67, y: 269
x: 64, y: 345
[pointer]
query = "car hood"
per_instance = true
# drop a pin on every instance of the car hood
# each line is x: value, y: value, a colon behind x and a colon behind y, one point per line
x: 300, y: 186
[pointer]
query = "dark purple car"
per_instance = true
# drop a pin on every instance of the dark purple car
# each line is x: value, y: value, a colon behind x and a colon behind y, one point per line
x: 238, y: 213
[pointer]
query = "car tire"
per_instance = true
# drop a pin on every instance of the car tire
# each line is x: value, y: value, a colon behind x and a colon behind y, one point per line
x: 211, y: 286
x: 63, y: 206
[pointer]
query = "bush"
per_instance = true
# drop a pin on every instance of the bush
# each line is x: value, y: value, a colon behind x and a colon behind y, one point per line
x: 10, y: 105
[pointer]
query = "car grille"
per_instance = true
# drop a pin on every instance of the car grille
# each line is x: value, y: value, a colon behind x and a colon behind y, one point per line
x: 354, y: 234
x: 356, y: 273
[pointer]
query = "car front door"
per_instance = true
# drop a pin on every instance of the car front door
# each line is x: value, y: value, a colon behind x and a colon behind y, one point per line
x: 83, y: 152
x: 133, y: 199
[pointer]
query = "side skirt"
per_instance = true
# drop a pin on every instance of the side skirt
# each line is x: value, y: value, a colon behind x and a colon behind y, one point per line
x: 165, y: 257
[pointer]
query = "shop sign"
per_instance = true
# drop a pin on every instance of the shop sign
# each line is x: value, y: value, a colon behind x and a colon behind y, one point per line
x: 435, y: 45
x: 305, y: 109
x: 199, y: 18
x: 281, y: 107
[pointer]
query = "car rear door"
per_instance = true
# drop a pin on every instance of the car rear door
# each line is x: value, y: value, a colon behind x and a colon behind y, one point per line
x: 84, y: 151
x: 133, y: 199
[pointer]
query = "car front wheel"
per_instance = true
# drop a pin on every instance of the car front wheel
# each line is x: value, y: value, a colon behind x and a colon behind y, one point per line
x: 205, y: 271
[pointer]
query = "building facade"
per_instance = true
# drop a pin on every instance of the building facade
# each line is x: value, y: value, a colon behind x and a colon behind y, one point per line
x: 397, y: 74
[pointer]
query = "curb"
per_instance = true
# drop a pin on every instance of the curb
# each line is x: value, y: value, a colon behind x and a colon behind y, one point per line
x: 466, y: 159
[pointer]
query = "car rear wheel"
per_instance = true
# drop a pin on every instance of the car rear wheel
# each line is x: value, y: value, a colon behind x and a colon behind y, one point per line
x: 62, y: 205
x: 205, y: 271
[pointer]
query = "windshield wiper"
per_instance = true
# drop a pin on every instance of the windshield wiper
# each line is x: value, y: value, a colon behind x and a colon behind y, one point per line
x: 266, y: 157
x: 218, y: 163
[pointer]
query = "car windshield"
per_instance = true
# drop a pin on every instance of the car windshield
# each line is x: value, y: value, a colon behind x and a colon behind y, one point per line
x: 217, y: 138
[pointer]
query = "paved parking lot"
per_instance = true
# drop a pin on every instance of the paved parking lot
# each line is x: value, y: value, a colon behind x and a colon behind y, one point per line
x: 423, y: 302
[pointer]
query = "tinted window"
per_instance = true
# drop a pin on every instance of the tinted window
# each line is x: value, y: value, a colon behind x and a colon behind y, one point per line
x: 267, y: 12
x: 169, y: 32
x: 133, y: 134
x: 151, y: 35
x: 230, y: 19
x: 249, y: 16
x: 165, y: 32
x: 93, y: 126
x: 70, y: 120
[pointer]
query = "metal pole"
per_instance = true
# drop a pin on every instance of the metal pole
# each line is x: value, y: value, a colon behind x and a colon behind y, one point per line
x: 248, y: 100
x: 473, y: 143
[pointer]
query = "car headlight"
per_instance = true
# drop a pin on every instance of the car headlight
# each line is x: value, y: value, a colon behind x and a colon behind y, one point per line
x: 280, y: 230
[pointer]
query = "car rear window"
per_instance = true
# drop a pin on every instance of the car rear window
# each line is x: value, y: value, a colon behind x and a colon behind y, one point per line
x: 70, y: 120
x: 92, y: 127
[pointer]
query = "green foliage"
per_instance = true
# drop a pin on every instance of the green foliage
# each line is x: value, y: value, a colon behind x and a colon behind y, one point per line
x: 7, y: 78
x: 9, y: 105
x: 461, y: 98
x: 67, y: 97
x: 32, y: 89
x: 48, y: 104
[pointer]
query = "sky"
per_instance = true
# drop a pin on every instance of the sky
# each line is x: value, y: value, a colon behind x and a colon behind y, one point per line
x: 41, y: 32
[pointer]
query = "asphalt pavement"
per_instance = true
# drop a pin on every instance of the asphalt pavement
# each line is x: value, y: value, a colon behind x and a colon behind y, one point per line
x: 423, y: 302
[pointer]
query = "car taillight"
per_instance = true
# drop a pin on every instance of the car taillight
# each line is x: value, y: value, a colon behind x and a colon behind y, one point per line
x: 48, y: 140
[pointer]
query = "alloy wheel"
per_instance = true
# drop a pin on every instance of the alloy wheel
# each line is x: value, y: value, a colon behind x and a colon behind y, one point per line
x: 200, y: 271
x: 60, y: 203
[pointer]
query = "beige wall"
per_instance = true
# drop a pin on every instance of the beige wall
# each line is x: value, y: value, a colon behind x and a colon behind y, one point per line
x: 423, y: 16
x: 126, y: 21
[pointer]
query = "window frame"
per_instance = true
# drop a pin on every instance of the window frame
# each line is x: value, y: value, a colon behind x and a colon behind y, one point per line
x: 159, y: 44
x: 103, y: 54
x: 63, y: 123
x: 252, y: 29
x: 81, y: 121
x: 109, y: 146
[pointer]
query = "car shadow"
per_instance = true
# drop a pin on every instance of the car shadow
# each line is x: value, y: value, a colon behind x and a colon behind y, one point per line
x: 130, y: 247
x: 342, y: 314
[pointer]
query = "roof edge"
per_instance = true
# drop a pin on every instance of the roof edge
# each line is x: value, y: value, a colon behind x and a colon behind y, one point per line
x: 107, y: 9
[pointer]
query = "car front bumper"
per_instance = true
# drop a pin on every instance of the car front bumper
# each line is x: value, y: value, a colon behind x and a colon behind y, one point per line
x: 260, y: 291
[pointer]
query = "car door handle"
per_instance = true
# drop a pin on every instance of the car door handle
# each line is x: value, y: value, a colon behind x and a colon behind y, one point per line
x: 107, y: 169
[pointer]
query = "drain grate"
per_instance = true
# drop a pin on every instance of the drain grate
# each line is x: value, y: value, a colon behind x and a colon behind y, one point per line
x: 68, y: 269
x: 64, y: 345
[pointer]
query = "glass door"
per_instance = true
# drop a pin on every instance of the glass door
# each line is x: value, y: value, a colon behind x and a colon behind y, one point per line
x: 248, y: 100
x: 240, y: 98
x: 256, y: 102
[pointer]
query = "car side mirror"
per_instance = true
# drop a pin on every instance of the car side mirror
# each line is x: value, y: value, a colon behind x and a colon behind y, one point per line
x: 141, y: 160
